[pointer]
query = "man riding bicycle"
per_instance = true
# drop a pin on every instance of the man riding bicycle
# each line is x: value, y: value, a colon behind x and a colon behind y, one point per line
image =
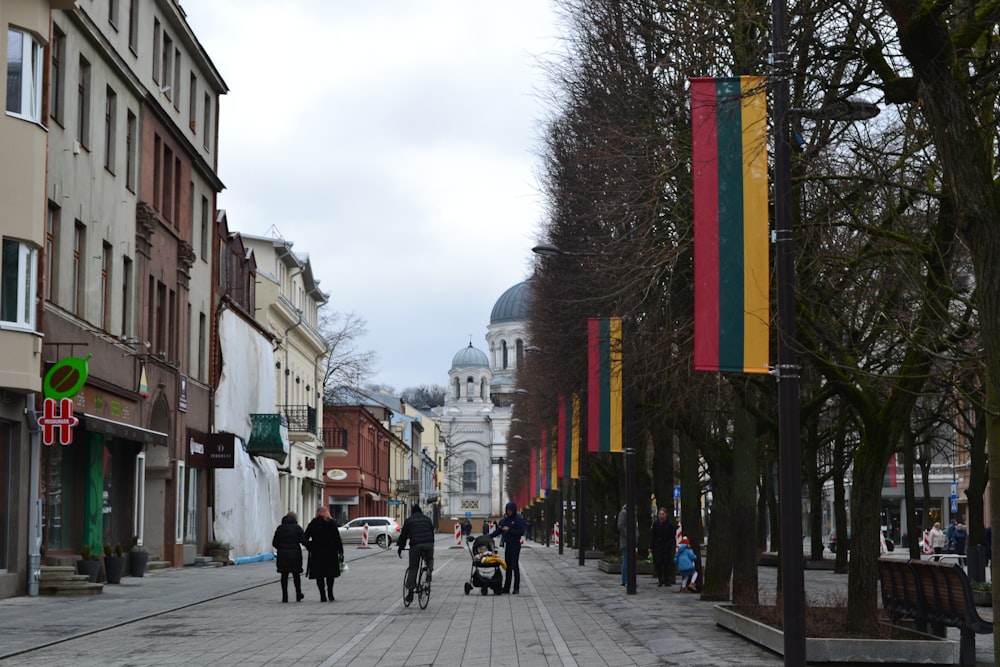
x: 418, y: 530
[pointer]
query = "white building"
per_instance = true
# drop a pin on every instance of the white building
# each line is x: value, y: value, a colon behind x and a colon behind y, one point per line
x: 475, y: 418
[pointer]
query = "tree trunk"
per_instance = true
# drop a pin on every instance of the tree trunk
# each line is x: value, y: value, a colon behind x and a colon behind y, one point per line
x: 914, y: 532
x: 745, y: 589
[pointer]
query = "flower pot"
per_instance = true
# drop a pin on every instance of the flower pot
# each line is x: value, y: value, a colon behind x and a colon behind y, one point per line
x: 114, y: 568
x: 137, y: 563
x: 91, y: 568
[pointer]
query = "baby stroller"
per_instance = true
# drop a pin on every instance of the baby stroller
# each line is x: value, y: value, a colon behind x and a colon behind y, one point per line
x: 486, y: 566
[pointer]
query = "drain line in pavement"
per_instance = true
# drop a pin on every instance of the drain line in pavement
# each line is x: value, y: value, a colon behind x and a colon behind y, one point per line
x: 562, y: 650
x: 346, y: 648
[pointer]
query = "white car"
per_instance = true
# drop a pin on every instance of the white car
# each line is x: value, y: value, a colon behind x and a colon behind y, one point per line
x: 382, y: 530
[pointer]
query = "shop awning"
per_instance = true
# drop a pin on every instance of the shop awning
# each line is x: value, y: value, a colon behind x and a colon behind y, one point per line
x: 269, y: 436
x: 113, y: 429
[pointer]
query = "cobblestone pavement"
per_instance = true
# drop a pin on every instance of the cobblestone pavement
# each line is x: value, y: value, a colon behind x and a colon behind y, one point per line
x: 565, y: 615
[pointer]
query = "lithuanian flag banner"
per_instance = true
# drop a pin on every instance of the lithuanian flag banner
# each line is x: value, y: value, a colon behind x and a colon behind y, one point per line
x: 604, y: 385
x: 731, y: 266
x: 569, y: 436
x: 532, y: 474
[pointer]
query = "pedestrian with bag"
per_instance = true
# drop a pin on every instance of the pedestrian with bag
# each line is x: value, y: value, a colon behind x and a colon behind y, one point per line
x: 288, y: 542
x: 326, y: 552
x: 662, y: 539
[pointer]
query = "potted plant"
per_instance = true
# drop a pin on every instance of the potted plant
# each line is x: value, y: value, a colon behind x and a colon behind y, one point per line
x: 89, y: 564
x: 114, y: 563
x: 218, y: 550
x: 137, y: 558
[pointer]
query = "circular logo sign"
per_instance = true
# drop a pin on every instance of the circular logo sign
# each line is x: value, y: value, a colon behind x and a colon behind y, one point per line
x: 336, y: 474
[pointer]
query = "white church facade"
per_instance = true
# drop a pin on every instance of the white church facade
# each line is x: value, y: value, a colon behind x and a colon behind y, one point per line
x: 475, y: 418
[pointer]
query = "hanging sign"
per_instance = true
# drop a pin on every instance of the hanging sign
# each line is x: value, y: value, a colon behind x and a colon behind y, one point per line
x: 64, y: 380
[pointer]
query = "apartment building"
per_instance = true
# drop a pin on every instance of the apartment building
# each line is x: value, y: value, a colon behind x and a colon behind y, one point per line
x: 288, y: 302
x: 25, y: 38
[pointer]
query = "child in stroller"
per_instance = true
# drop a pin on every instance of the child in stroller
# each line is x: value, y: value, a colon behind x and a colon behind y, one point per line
x: 486, y: 566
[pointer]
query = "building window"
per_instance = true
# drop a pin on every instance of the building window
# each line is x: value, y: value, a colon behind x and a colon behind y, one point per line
x: 177, y: 79
x: 156, y: 50
x: 79, y: 252
x: 470, y: 389
x: 193, y: 102
x: 127, y: 297
x: 51, y: 259
x: 110, y: 128
x: 168, y: 188
x: 470, y: 477
x: 57, y: 75
x: 24, y: 76
x: 167, y: 65
x: 83, y: 104
x: 106, y: 286
x: 204, y: 228
x: 206, y: 125
x: 202, y: 345
x: 503, y: 354
x: 18, y: 280
x: 133, y: 24
x: 130, y: 148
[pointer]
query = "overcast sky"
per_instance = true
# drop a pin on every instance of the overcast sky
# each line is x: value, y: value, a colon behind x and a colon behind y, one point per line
x: 395, y: 142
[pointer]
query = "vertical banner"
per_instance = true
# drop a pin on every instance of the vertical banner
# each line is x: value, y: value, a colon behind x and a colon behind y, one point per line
x: 554, y: 461
x: 731, y: 264
x: 604, y: 385
x: 533, y: 475
x: 569, y: 435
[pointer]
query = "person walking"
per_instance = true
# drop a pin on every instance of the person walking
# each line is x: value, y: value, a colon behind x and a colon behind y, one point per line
x: 661, y: 543
x: 326, y: 551
x: 939, y: 541
x: 287, y: 542
x: 960, y: 538
x: 627, y: 558
x: 511, y: 528
x: 418, y: 530
x: 685, y: 560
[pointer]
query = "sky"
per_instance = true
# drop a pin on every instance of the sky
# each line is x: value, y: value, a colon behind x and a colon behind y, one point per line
x: 396, y: 143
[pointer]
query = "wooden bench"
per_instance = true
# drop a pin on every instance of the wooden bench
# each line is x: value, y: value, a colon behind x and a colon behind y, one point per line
x: 937, y: 595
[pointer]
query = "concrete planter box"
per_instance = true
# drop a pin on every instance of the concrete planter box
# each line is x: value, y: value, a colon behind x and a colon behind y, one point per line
x: 922, y: 650
x: 616, y: 568
x: 982, y: 598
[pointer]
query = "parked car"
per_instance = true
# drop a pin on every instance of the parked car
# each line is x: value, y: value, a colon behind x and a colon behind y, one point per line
x: 833, y: 541
x: 382, y: 530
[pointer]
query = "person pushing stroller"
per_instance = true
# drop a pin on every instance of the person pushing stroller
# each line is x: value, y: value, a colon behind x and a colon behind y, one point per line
x: 511, y: 527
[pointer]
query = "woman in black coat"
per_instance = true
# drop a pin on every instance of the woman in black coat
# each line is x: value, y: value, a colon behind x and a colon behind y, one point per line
x: 326, y: 550
x: 662, y: 542
x: 288, y: 541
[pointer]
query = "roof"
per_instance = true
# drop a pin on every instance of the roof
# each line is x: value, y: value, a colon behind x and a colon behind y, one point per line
x: 512, y: 306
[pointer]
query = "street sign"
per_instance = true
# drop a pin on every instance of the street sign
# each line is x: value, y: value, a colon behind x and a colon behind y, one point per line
x: 677, y: 492
x: 468, y: 514
x: 954, y: 505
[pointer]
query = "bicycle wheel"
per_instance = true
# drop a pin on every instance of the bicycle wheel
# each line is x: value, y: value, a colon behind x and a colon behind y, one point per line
x: 406, y: 602
x: 423, y: 588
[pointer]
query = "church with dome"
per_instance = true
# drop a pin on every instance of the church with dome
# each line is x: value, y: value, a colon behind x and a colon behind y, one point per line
x: 475, y: 418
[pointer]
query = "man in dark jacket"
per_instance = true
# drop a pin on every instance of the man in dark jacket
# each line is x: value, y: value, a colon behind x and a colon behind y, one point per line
x: 418, y: 530
x: 511, y: 526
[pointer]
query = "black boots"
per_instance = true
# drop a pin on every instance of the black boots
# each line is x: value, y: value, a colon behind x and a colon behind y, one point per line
x: 322, y: 590
x: 329, y: 591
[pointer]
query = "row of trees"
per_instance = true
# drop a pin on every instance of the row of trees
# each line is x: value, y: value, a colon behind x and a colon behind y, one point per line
x: 898, y: 291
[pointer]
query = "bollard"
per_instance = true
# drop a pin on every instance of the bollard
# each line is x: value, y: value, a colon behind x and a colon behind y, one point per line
x: 555, y: 533
x: 364, y: 537
x: 458, y: 535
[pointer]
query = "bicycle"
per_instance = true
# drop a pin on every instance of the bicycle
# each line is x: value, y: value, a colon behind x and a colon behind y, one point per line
x: 422, y: 589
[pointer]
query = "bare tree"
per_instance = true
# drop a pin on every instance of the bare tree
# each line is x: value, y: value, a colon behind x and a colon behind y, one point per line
x: 345, y: 365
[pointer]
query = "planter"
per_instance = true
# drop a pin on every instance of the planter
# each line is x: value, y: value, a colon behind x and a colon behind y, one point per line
x: 114, y: 568
x: 91, y: 568
x: 137, y: 563
x: 982, y: 598
x: 219, y: 555
x: 922, y: 649
x: 616, y: 568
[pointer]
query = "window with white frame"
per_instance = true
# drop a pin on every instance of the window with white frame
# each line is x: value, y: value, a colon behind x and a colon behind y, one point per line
x: 24, y: 75
x: 18, y: 280
x: 470, y: 477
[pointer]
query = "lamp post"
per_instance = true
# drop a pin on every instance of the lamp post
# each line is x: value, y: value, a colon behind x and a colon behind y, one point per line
x: 789, y: 456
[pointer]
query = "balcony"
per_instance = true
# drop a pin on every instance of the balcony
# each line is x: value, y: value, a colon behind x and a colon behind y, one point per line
x: 268, y: 436
x: 301, y: 418
x: 406, y: 487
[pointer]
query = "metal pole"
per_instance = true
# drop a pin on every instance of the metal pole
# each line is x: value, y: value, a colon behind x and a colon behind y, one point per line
x: 793, y: 584
x: 581, y: 515
x: 561, y: 514
x: 630, y: 520
x: 34, y: 498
